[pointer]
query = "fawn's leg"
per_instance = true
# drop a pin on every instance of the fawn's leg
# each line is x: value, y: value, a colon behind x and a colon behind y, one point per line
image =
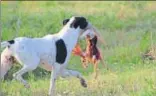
x: 95, y: 62
x: 84, y: 62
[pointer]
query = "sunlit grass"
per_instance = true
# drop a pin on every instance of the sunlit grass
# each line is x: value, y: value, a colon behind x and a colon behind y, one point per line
x: 110, y: 83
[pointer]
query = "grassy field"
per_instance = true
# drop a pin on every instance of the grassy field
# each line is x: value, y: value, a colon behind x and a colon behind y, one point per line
x: 127, y: 27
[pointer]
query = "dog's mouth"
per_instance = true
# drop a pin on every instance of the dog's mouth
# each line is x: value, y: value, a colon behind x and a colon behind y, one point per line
x: 91, y: 37
x: 89, y: 34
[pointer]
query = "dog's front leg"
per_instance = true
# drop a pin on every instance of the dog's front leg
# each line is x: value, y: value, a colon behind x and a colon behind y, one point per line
x: 67, y: 73
x: 52, y: 83
x: 54, y: 75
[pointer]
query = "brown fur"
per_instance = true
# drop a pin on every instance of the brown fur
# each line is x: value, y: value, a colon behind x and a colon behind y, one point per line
x: 91, y: 54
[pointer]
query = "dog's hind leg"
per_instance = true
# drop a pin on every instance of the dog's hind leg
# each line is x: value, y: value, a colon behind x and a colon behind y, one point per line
x: 26, y: 68
x: 18, y: 76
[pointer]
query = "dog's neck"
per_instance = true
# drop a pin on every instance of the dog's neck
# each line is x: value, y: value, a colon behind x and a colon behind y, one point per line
x: 70, y: 37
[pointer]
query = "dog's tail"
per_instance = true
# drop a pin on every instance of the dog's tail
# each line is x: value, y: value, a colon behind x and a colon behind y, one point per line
x: 7, y: 43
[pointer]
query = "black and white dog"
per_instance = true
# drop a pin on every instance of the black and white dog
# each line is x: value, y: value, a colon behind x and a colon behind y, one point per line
x: 51, y: 51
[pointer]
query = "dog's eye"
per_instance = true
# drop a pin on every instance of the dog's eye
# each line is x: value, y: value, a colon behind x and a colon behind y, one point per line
x: 65, y: 21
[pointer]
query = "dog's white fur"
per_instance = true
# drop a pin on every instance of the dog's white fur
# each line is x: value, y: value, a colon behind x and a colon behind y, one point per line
x: 32, y: 52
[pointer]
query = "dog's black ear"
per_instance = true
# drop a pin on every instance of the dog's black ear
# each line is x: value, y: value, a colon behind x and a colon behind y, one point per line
x: 79, y: 21
x: 65, y: 21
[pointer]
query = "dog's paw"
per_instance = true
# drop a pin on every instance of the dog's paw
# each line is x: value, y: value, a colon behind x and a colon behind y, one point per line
x: 83, y: 83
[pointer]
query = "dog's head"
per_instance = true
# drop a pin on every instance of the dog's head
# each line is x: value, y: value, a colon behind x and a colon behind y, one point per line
x: 81, y: 25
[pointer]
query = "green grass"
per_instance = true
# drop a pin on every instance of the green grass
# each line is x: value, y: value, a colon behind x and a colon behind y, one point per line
x: 134, y: 82
x: 125, y: 26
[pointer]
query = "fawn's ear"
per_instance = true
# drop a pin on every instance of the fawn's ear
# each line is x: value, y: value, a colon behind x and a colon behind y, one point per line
x: 94, y: 40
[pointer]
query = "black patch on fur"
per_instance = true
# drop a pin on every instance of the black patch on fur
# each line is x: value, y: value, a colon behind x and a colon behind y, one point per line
x: 61, y: 51
x: 11, y: 41
x: 65, y: 21
x: 79, y: 22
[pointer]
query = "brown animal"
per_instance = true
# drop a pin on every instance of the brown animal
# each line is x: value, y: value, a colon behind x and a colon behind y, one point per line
x: 150, y: 54
x: 91, y: 54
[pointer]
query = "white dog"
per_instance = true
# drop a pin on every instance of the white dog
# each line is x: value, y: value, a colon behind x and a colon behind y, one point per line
x: 51, y: 52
